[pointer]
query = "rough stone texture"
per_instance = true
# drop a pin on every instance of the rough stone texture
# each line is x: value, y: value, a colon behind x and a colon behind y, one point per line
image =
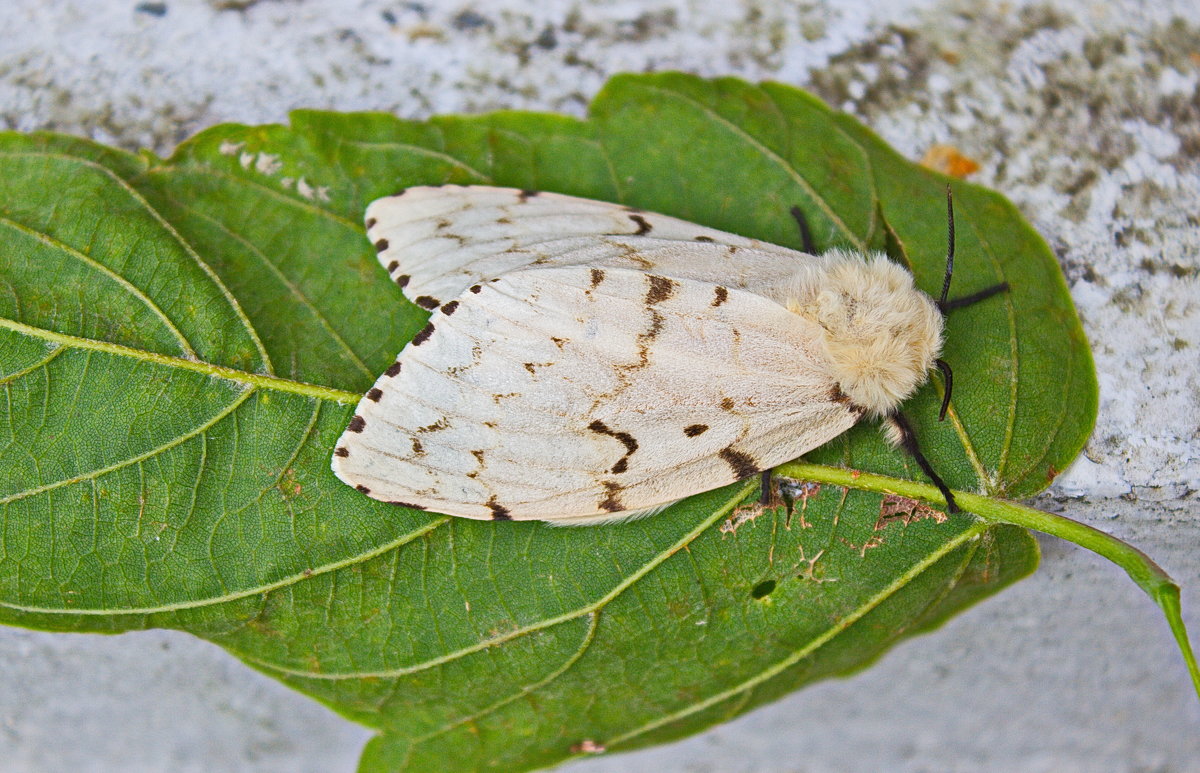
x: 1086, y: 114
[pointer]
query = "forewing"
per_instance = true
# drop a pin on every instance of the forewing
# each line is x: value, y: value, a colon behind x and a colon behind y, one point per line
x: 436, y: 242
x: 574, y: 392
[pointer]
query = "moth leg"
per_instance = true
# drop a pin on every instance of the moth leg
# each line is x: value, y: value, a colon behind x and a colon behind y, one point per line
x: 984, y: 294
x: 900, y: 432
x: 806, y: 239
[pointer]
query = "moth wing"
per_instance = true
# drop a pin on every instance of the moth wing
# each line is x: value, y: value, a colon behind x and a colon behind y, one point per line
x: 436, y: 242
x: 557, y: 393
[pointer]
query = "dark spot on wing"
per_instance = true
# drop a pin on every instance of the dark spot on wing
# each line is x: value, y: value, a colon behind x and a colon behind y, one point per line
x: 381, y: 245
x: 743, y: 464
x: 504, y: 220
x: 395, y: 264
x: 558, y: 341
x: 720, y: 295
x: 437, y: 426
x: 374, y: 394
x: 611, y: 502
x: 450, y: 308
x: 417, y: 448
x: 443, y: 223
x: 727, y: 403
x: 731, y: 251
x: 475, y: 288
x: 661, y: 289
x: 597, y: 277
x: 695, y: 429
x: 836, y: 395
x: 704, y: 239
x: 478, y: 454
x: 403, y: 280
x: 426, y: 302
x: 371, y: 223
x: 393, y: 369
x: 363, y: 489
x: 499, y: 511
x: 409, y: 505
x: 357, y: 424
x: 624, y: 438
x: 525, y: 195
x: 643, y: 227
x: 423, y: 335
x: 342, y: 451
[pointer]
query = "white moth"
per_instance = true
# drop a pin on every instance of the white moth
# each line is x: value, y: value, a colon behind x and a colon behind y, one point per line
x: 587, y: 361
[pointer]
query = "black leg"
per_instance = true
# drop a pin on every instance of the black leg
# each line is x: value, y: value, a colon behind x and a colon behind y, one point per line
x: 764, y: 498
x: 806, y: 240
x: 983, y: 294
x: 908, y: 441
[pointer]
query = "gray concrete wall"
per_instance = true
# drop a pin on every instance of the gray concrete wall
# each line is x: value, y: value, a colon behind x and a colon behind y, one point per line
x: 1085, y: 113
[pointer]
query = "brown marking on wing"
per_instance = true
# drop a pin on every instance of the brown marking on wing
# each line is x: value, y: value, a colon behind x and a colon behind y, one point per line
x: 611, y: 502
x: 743, y: 464
x: 695, y: 430
x: 627, y: 440
x: 643, y: 227
x: 437, y: 426
x: 374, y: 394
x: 660, y: 290
x: 427, y: 302
x: 357, y: 424
x: 720, y: 295
x: 499, y: 511
x: 422, y: 335
x: 393, y: 369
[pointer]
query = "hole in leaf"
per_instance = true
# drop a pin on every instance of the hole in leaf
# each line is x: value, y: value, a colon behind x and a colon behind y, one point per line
x: 764, y: 588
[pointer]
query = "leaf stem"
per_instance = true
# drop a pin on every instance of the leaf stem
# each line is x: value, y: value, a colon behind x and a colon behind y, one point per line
x: 256, y: 380
x: 1149, y: 576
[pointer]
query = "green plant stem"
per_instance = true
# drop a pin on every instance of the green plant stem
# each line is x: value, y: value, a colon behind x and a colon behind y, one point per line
x: 1149, y: 576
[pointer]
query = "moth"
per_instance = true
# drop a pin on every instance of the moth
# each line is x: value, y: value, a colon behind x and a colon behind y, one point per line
x: 586, y: 361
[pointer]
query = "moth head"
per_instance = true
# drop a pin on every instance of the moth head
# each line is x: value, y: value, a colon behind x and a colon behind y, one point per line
x: 881, y: 334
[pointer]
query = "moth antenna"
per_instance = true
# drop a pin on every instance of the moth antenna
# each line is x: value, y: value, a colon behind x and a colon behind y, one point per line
x: 983, y: 294
x: 949, y: 246
x: 806, y: 240
x: 901, y: 432
x: 948, y: 377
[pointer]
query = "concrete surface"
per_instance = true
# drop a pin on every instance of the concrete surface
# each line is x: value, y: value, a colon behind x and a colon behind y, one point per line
x: 1086, y: 114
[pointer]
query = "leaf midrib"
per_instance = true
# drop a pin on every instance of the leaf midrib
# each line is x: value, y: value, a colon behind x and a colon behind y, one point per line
x: 241, y: 377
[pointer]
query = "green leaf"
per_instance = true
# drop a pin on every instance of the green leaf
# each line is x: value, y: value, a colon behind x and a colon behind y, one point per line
x: 182, y: 340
